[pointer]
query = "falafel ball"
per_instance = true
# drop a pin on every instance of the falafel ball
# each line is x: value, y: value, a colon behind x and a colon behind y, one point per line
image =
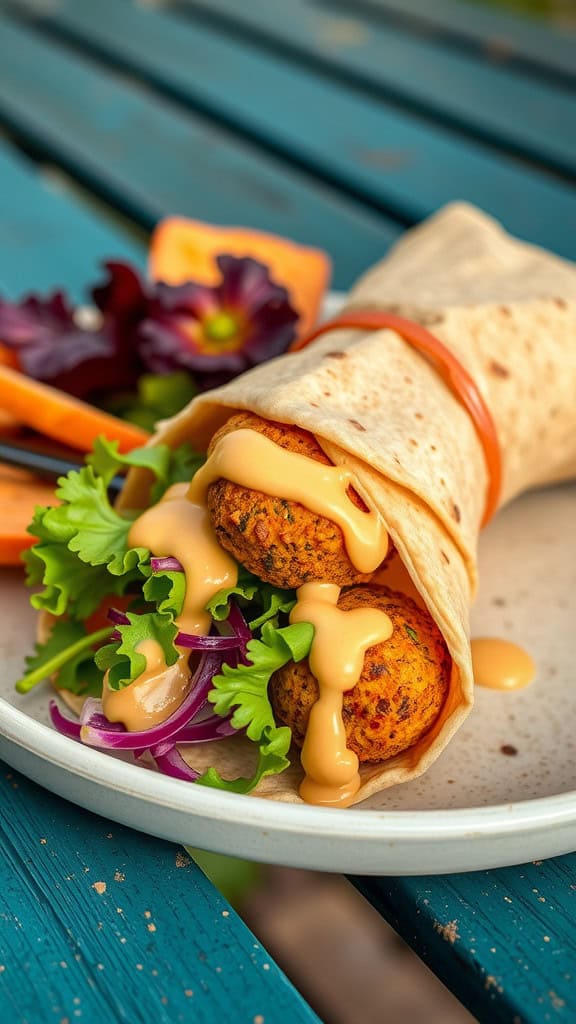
x: 401, y: 691
x: 280, y: 541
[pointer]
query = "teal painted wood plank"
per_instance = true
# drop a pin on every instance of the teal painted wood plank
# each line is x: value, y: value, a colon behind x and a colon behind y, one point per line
x: 537, y: 118
x: 503, y: 941
x: 394, y: 161
x: 47, y: 238
x: 501, y: 35
x: 100, y: 923
x: 150, y: 159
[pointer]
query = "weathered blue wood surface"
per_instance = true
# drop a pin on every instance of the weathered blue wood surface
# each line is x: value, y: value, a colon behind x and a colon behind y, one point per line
x: 100, y: 923
x: 497, y: 34
x: 149, y: 159
x: 503, y: 941
x: 392, y: 160
x: 48, y: 239
x: 428, y: 76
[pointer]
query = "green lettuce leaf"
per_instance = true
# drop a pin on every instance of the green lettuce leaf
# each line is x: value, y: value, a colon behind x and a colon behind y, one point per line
x: 243, y: 690
x: 82, y: 553
x: 268, y: 600
x: 121, y: 658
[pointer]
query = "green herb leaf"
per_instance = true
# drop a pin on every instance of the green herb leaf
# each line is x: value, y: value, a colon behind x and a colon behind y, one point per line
x: 412, y: 633
x: 272, y: 760
x: 69, y: 651
x: 268, y: 600
x: 70, y: 586
x: 244, y: 691
x: 159, y: 396
x: 219, y: 605
x: 122, y: 659
x: 167, y: 591
x: 82, y: 554
x: 106, y: 459
x: 273, y: 601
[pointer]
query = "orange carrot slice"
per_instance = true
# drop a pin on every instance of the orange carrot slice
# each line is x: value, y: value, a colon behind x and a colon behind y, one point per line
x: 20, y: 493
x: 60, y: 416
x: 185, y: 250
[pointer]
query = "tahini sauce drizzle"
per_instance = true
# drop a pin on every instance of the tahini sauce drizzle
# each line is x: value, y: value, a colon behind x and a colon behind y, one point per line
x: 248, y: 458
x: 155, y: 695
x: 500, y: 664
x: 178, y: 527
x: 341, y: 639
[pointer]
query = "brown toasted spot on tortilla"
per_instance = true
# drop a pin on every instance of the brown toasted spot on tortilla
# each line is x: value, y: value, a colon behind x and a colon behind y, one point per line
x: 561, y: 303
x: 445, y: 557
x: 357, y: 425
x: 456, y: 514
x: 498, y: 370
x: 314, y: 405
x: 418, y: 416
x: 407, y: 380
x: 433, y: 448
x: 327, y: 394
x: 428, y: 319
x: 505, y: 311
x: 336, y: 355
x: 413, y: 442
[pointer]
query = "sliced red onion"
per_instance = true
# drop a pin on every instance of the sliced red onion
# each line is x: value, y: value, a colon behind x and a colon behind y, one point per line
x: 208, y: 643
x: 62, y: 723
x: 168, y: 564
x: 189, y: 640
x: 173, y: 764
x: 118, y: 618
x: 238, y: 623
x: 109, y: 738
x: 214, y: 728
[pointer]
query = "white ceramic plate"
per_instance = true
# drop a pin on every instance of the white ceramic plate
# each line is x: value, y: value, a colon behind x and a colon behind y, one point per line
x: 503, y: 792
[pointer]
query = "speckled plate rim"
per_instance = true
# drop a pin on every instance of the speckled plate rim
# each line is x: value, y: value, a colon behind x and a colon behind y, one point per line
x: 420, y: 825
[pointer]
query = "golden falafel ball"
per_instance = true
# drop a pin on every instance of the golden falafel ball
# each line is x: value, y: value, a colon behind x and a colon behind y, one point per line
x: 400, y: 693
x: 280, y: 541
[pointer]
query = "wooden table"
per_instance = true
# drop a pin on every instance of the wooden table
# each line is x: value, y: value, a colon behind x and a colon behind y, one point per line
x: 339, y: 124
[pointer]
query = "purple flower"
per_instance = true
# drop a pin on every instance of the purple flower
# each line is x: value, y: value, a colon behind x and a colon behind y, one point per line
x: 212, y: 332
x: 218, y: 331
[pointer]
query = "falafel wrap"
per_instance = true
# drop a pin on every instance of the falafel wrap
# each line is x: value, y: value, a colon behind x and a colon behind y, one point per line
x: 279, y: 601
x: 409, y: 454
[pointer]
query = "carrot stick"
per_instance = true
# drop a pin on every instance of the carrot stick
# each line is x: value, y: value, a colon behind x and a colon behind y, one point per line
x: 60, y: 416
x: 20, y: 493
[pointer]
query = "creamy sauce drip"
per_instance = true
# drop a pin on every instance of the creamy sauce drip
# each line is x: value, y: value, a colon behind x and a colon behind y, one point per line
x: 252, y: 460
x: 155, y: 695
x: 341, y: 639
x: 179, y: 527
x: 500, y: 664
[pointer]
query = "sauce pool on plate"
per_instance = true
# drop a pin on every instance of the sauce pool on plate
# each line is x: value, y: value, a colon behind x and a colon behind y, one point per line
x: 501, y: 664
